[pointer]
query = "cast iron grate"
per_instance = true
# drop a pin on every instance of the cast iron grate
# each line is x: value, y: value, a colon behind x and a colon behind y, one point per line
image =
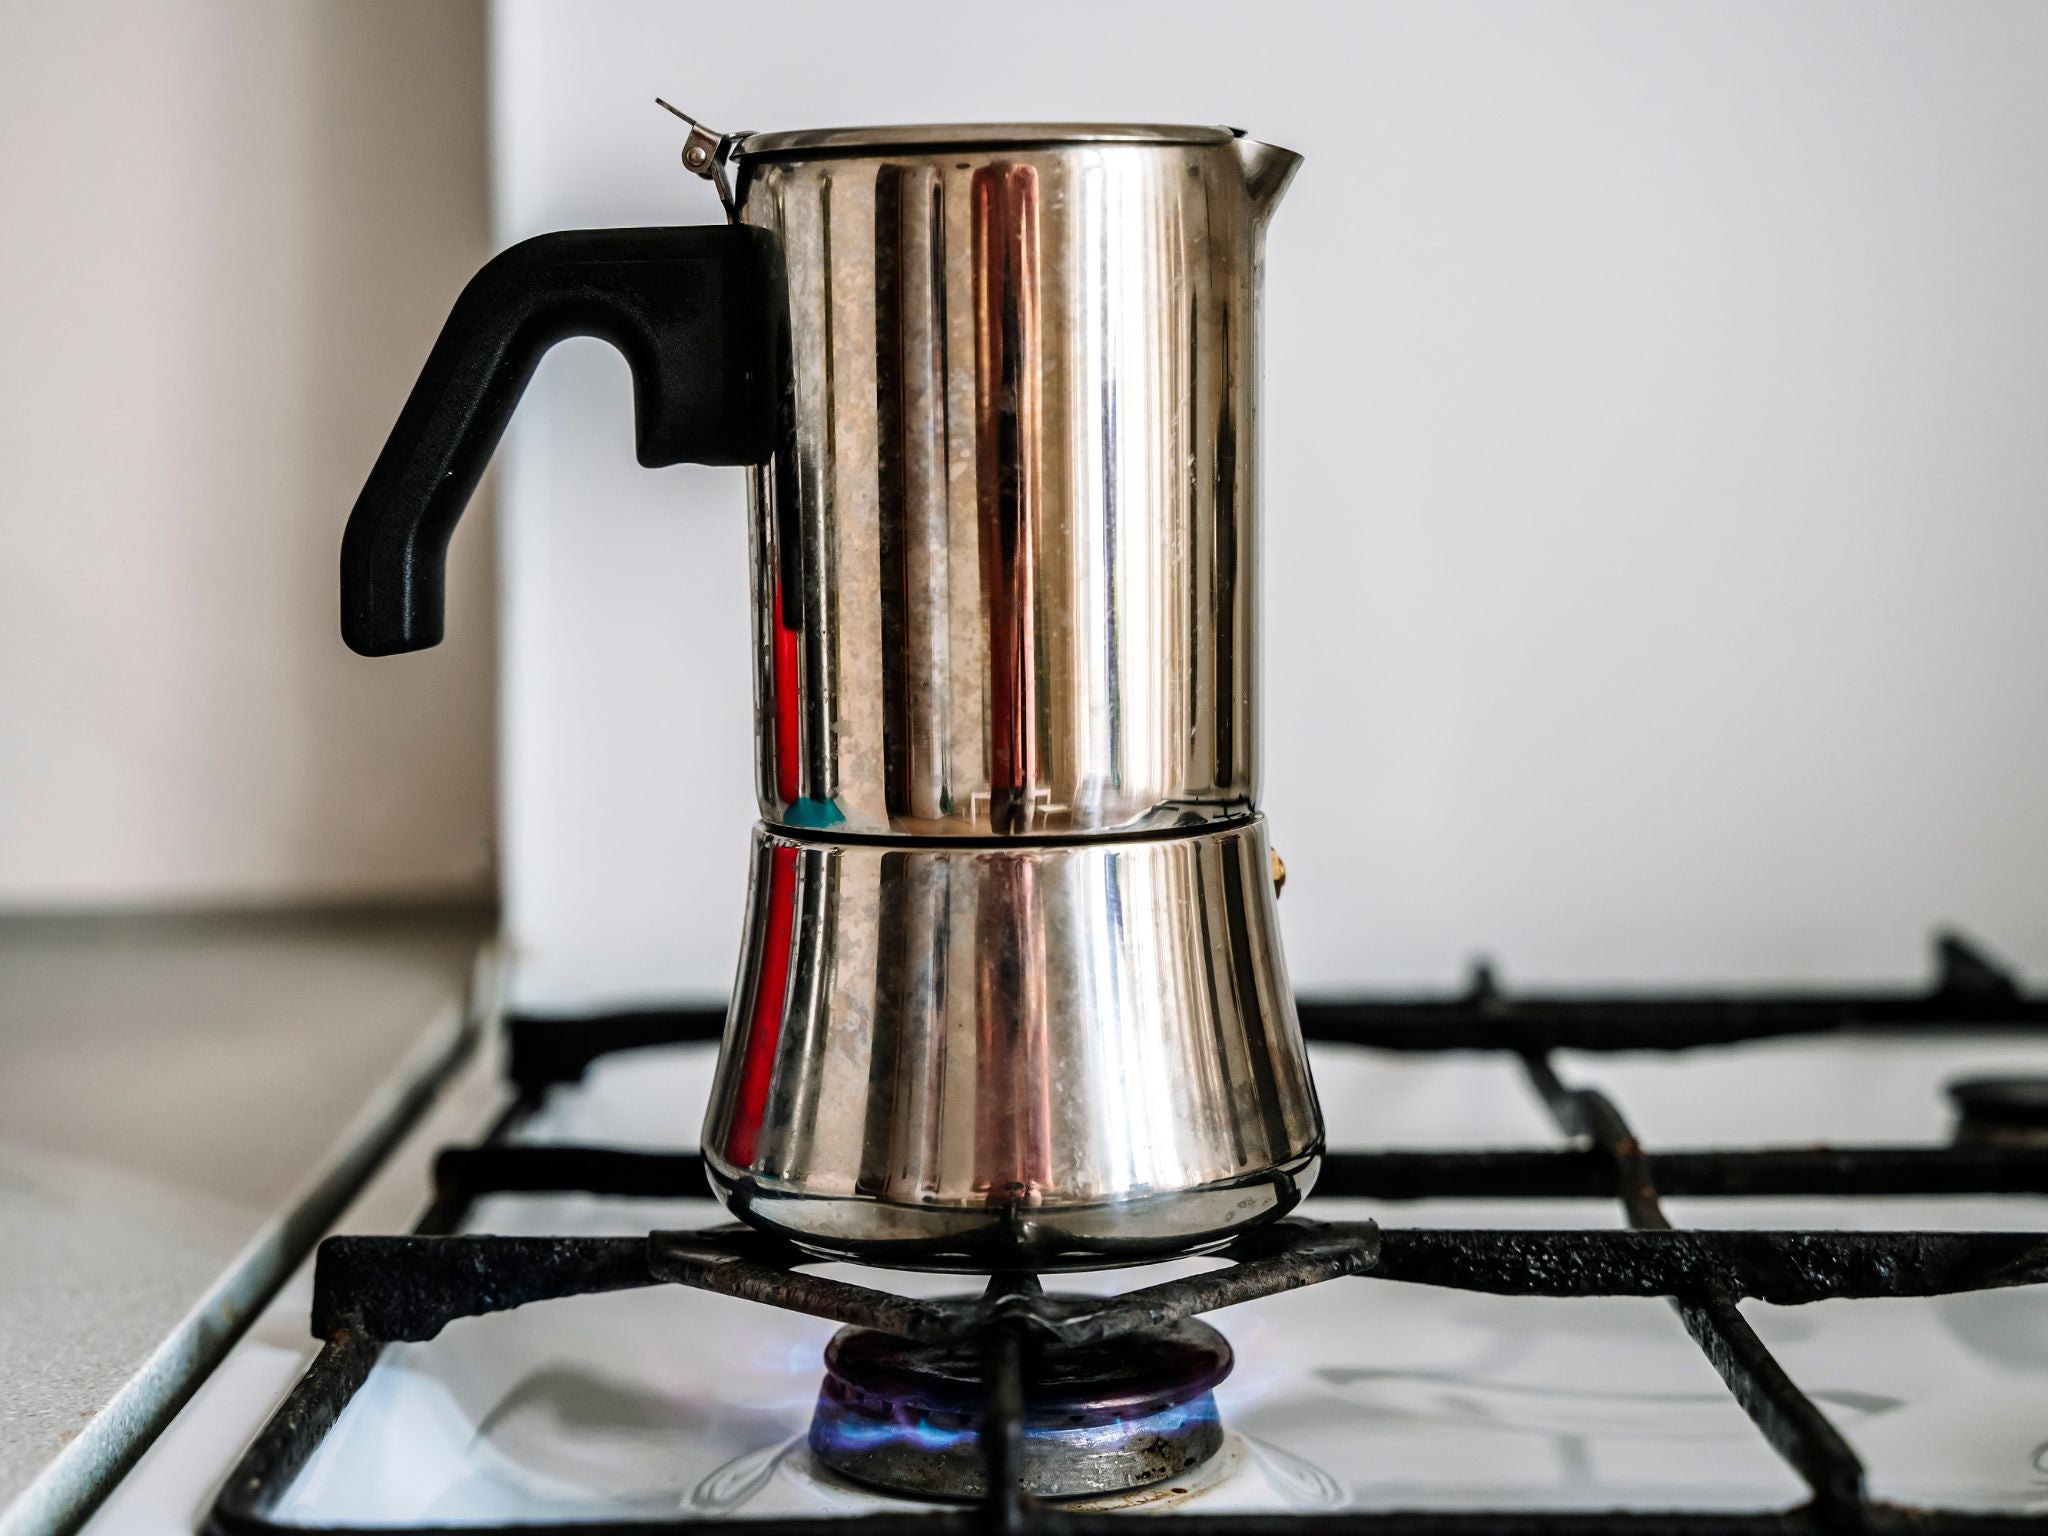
x: 369, y: 1291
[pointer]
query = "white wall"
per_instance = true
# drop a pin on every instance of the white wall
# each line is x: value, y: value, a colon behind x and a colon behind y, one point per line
x: 1656, y: 474
x: 230, y: 231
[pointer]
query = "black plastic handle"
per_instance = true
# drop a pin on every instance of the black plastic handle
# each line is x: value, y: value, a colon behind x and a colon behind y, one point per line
x: 698, y: 313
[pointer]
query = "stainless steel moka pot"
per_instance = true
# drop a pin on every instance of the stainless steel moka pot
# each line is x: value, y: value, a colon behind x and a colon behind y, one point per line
x: 1011, y: 993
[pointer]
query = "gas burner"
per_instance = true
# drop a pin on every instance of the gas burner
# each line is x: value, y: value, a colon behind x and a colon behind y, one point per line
x: 1099, y: 1417
x: 2012, y: 1110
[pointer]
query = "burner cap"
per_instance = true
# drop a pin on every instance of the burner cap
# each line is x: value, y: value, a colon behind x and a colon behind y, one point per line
x: 2011, y: 1108
x: 1098, y: 1418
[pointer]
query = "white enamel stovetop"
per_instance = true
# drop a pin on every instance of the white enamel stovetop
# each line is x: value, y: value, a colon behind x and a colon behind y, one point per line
x: 1356, y: 1393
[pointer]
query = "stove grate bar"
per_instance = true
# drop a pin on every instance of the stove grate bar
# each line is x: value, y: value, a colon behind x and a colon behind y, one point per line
x: 1537, y: 1173
x: 748, y: 1266
x: 406, y: 1289
x: 543, y: 1050
x: 1789, y: 1268
x: 1969, y: 990
x: 1006, y: 1507
x: 230, y: 1517
x: 1786, y: 1417
x: 249, y: 1499
x: 528, y: 1169
x: 1268, y: 1261
x: 1742, y: 1173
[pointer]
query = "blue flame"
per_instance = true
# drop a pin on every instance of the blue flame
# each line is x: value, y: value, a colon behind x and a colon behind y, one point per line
x: 850, y: 1431
x: 838, y: 1426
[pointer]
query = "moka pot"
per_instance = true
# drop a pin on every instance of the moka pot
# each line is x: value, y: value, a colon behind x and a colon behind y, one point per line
x: 1011, y: 993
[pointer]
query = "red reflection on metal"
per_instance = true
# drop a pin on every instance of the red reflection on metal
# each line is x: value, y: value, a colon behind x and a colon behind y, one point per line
x: 764, y: 1029
x: 1012, y: 1062
x: 784, y: 719
x: 1008, y: 361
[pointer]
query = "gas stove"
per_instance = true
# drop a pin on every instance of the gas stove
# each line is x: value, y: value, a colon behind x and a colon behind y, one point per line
x: 1544, y: 1303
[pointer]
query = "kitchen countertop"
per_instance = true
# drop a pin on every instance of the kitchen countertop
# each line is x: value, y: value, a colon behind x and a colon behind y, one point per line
x: 183, y: 1099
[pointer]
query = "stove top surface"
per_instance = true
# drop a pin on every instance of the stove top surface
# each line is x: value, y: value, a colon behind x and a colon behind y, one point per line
x: 1486, y: 1333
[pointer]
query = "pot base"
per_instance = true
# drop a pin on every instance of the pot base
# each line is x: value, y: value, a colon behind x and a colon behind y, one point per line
x: 1044, y: 1239
x: 1042, y: 1056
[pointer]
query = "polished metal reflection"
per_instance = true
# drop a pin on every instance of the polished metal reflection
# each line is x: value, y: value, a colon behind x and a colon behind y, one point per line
x: 949, y: 1056
x: 1006, y: 577
x: 1006, y: 549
